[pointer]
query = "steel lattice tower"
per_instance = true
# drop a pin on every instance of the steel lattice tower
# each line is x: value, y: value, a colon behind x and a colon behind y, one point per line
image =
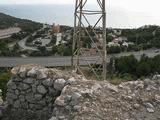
x: 85, y: 31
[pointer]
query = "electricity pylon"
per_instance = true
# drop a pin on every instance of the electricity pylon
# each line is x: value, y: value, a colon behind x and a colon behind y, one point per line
x: 89, y: 37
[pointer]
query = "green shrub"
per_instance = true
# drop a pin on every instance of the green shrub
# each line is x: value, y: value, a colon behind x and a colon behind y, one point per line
x: 4, y: 78
x: 130, y: 65
x: 126, y: 64
x: 113, y: 49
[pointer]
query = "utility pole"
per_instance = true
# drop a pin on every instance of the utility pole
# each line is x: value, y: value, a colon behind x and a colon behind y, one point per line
x: 93, y: 29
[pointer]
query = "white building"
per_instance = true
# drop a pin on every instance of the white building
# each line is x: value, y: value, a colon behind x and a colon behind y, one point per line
x: 59, y: 38
x: 120, y: 39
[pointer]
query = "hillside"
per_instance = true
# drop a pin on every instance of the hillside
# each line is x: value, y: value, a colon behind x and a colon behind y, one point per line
x: 7, y: 21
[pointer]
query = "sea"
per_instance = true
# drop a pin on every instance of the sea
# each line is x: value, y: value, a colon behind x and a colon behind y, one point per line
x: 64, y: 15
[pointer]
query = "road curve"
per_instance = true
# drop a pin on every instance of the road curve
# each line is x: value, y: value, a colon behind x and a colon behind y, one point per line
x: 22, y: 44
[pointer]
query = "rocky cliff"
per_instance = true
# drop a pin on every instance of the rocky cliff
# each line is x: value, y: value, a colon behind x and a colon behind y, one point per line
x: 38, y: 93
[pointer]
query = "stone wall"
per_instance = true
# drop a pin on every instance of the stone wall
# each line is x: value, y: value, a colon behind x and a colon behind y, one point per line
x: 32, y: 91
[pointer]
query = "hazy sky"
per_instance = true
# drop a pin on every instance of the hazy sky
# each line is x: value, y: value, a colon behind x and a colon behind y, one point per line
x: 36, y: 1
x: 135, y: 12
x: 147, y: 6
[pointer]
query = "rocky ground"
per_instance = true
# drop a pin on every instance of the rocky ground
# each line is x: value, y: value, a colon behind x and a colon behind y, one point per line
x: 92, y: 100
x: 81, y: 99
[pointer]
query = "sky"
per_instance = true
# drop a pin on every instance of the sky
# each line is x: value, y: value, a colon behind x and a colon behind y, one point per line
x: 146, y: 6
x: 137, y: 12
x: 37, y: 1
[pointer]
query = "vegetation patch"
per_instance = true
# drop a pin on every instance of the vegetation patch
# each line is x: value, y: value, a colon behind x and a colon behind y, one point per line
x: 4, y: 78
x: 131, y: 67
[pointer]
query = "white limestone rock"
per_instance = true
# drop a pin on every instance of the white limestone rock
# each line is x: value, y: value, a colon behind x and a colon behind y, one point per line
x: 75, y: 98
x: 22, y: 72
x: 71, y: 80
x: 42, y: 73
x: 112, y: 88
x: 59, y: 84
x: 60, y: 101
x: 32, y: 72
x: 150, y: 110
x: 157, y: 98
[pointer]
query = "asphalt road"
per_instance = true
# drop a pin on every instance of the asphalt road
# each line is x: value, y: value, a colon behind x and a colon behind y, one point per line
x: 45, y: 61
x: 65, y: 61
x: 22, y: 44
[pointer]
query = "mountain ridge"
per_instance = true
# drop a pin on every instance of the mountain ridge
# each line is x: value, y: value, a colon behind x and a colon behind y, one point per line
x: 8, y: 21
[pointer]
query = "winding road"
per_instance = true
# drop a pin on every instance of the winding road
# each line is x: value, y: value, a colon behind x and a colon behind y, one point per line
x: 22, y: 44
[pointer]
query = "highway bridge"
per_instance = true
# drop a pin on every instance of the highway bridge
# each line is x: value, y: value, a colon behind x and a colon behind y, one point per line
x: 65, y: 61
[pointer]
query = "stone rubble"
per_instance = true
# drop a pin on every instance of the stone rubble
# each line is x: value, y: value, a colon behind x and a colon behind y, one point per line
x: 38, y: 93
